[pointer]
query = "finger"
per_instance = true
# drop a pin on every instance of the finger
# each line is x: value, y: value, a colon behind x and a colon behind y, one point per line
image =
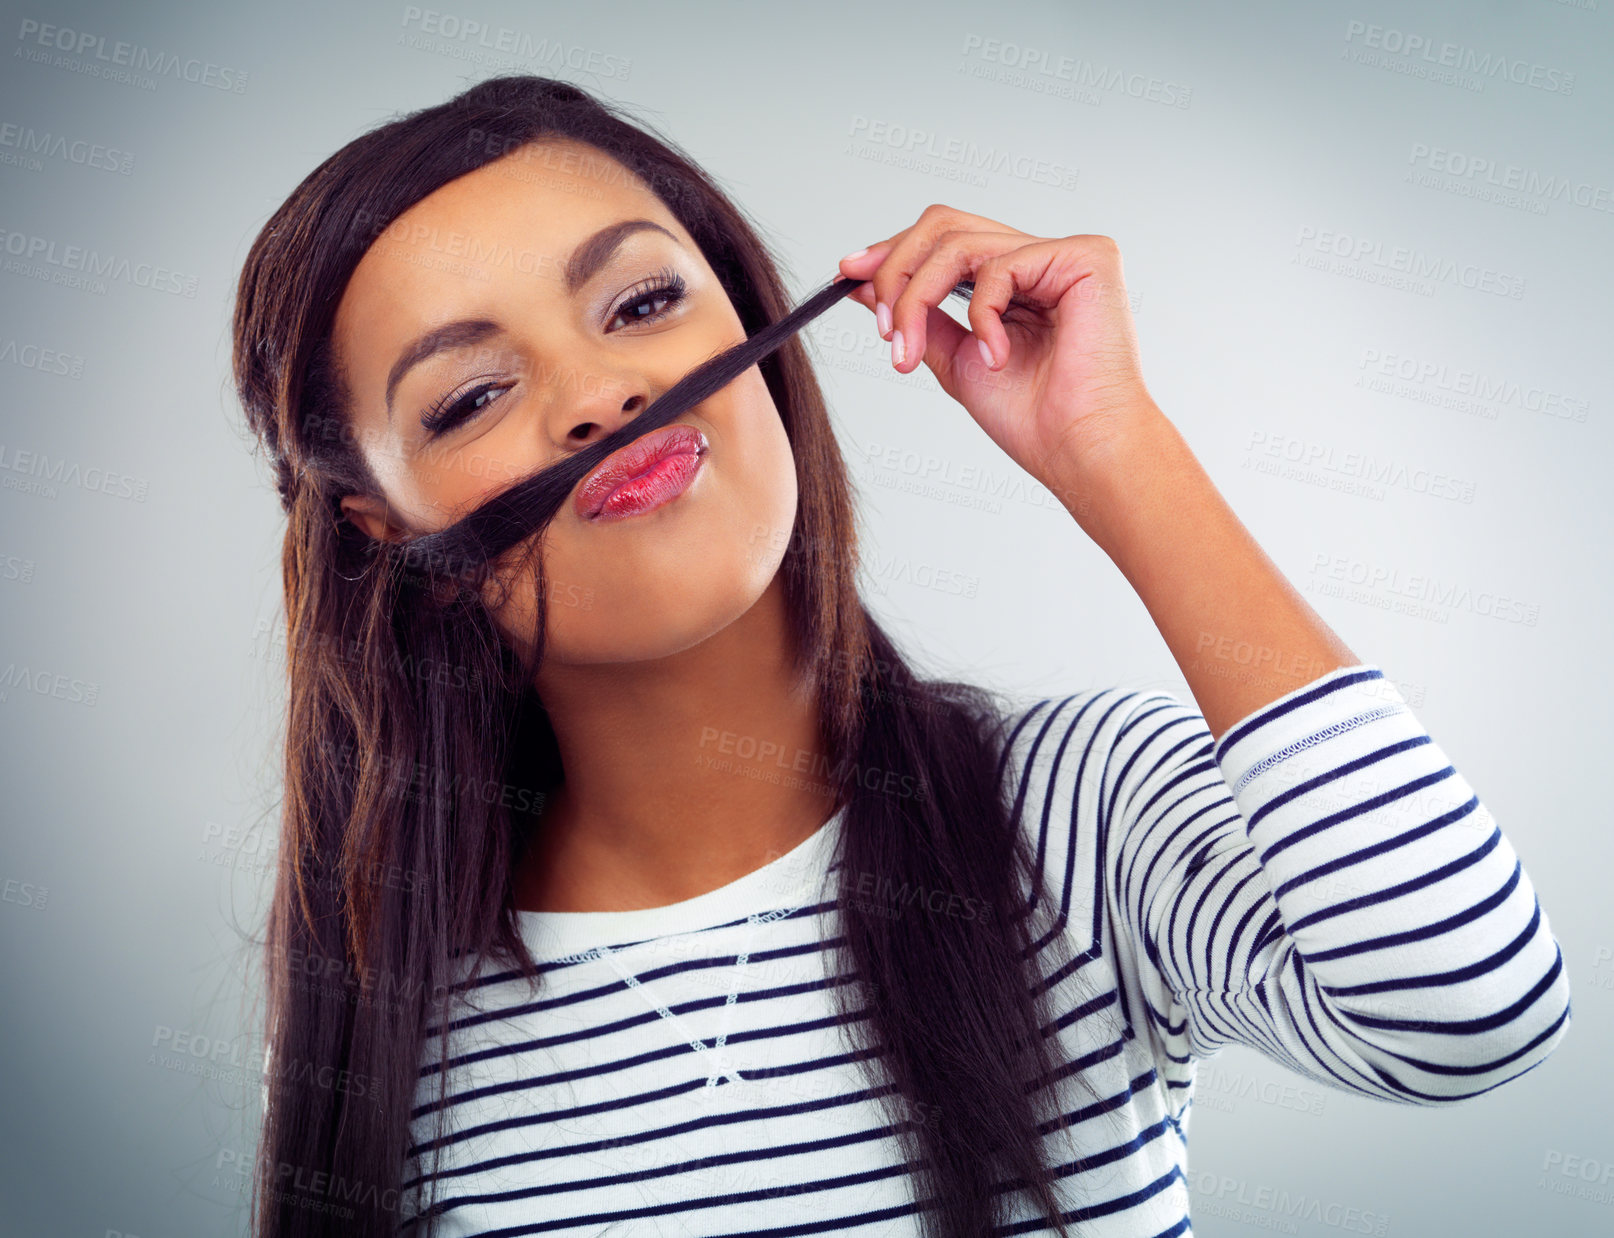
x: 863, y: 264
x: 998, y: 280
x: 905, y: 252
x: 943, y: 335
x: 994, y: 286
x: 954, y: 255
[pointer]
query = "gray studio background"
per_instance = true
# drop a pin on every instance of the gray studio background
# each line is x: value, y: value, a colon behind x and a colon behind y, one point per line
x: 1243, y: 155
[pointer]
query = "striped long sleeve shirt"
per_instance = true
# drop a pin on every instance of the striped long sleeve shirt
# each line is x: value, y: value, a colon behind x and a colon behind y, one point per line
x: 1319, y: 884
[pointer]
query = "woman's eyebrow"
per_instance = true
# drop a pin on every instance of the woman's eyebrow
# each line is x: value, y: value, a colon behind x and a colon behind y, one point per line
x: 589, y: 256
x: 593, y: 253
x: 458, y: 334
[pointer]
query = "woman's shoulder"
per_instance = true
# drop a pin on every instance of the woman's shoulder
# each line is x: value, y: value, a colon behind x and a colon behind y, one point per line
x: 1044, y: 732
x: 1065, y: 755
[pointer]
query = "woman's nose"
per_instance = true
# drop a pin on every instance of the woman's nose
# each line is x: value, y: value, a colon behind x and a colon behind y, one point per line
x: 583, y: 408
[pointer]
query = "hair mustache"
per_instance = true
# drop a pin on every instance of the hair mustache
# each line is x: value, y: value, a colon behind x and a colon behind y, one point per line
x: 464, y: 549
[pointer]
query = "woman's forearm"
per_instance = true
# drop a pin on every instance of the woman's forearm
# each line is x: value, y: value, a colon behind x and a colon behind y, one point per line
x: 1242, y: 635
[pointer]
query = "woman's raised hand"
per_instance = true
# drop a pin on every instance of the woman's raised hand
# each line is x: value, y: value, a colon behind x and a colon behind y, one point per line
x: 1050, y: 367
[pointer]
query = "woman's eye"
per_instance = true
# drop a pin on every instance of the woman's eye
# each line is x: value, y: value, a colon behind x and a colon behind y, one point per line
x: 651, y: 303
x: 645, y: 303
x: 442, y: 419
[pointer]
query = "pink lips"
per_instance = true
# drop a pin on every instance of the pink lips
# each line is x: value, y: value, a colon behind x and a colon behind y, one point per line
x: 652, y: 470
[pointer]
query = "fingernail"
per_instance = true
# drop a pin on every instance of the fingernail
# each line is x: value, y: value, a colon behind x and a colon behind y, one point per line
x: 882, y: 317
x: 856, y: 256
x: 986, y: 353
x: 899, y: 350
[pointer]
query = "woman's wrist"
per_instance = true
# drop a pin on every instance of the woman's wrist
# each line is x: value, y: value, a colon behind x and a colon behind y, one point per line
x: 1112, y: 472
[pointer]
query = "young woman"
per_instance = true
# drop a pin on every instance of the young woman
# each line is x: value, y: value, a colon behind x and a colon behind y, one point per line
x: 642, y: 888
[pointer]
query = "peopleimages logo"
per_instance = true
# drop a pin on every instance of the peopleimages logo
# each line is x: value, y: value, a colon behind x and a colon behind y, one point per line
x: 889, y: 897
x: 1488, y: 389
x: 1374, y: 580
x: 914, y: 147
x: 84, y: 52
x: 1376, y: 473
x: 1484, y: 171
x: 474, y: 41
x: 1319, y: 247
x: 37, y: 357
x: 46, y: 683
x: 1584, y: 1177
x: 79, y: 267
x: 1037, y: 69
x: 35, y: 472
x: 24, y: 146
x: 1422, y: 56
x: 1262, y: 1206
x: 884, y: 571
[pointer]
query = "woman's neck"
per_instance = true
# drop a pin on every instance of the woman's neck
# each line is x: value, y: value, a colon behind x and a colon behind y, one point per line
x: 682, y: 775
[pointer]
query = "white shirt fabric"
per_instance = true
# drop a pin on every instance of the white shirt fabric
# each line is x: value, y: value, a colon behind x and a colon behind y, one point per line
x: 1319, y: 884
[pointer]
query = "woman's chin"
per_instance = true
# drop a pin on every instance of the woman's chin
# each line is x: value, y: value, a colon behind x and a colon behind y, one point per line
x: 646, y: 623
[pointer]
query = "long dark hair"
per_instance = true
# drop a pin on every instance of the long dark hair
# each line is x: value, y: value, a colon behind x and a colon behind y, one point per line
x: 410, y: 719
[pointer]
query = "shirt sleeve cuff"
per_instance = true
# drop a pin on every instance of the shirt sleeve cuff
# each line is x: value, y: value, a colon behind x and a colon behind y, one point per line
x: 1344, y: 698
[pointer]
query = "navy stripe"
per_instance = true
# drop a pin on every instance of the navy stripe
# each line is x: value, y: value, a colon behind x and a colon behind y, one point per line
x: 1335, y: 680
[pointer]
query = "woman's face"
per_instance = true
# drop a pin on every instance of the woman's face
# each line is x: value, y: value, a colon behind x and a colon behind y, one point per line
x: 554, y: 324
